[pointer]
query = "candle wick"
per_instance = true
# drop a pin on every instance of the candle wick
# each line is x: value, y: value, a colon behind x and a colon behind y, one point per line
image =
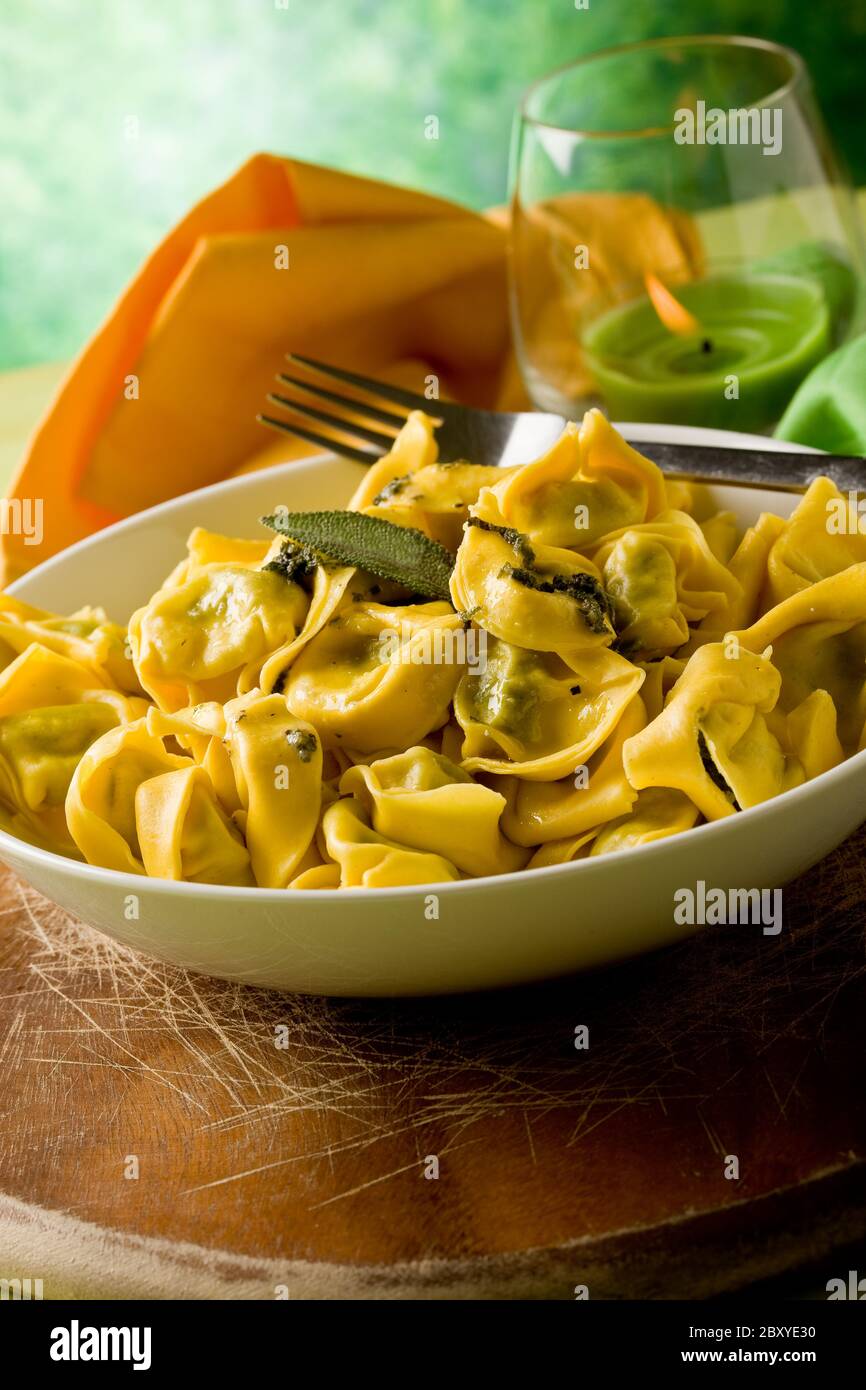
x: 706, y: 345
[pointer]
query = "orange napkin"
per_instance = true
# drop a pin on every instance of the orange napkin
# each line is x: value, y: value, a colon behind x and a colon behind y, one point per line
x: 285, y: 256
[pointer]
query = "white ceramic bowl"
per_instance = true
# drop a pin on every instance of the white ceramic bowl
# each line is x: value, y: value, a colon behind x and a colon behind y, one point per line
x: 489, y: 932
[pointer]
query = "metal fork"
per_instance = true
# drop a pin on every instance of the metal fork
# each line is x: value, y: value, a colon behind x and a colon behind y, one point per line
x: 482, y: 436
x: 501, y: 438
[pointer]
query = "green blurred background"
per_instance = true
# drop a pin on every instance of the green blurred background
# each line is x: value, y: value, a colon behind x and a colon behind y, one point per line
x: 115, y: 115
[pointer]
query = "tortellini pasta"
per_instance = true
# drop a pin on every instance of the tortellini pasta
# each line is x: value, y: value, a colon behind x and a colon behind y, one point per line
x: 748, y: 565
x: 598, y: 792
x: 540, y: 715
x: 711, y: 740
x: 367, y: 859
x: 102, y: 799
x: 432, y: 496
x: 818, y: 642
x: 193, y: 639
x: 538, y: 597
x: 210, y: 548
x: 183, y: 833
x: 601, y: 662
x: 330, y: 586
x: 52, y: 709
x: 589, y: 484
x: 662, y: 576
x: 425, y: 801
x: 371, y: 679
x: 276, y: 759
x: 821, y: 538
x: 86, y: 637
x: 657, y: 813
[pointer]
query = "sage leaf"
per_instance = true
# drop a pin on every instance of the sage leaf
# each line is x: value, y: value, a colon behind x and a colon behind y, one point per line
x: 399, y: 553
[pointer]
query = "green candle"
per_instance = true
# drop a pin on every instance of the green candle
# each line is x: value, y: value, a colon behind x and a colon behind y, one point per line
x: 757, y: 337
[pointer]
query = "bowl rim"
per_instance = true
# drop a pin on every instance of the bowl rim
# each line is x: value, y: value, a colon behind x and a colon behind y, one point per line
x: 76, y: 868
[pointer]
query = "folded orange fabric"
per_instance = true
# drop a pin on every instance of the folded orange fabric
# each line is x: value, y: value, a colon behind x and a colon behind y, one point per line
x: 284, y: 256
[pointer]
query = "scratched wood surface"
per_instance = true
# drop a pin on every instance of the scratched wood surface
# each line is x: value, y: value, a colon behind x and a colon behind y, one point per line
x: 556, y: 1166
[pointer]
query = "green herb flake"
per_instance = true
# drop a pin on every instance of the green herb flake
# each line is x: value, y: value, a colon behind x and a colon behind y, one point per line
x: 583, y: 589
x: 304, y: 744
x: 520, y: 544
x: 294, y: 562
x: 392, y: 489
x: 713, y: 772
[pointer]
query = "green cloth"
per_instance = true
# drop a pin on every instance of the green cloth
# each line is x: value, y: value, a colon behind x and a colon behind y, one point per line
x: 815, y: 260
x: 828, y: 410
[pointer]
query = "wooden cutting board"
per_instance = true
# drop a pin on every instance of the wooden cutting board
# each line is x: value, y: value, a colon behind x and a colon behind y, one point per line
x: 165, y: 1134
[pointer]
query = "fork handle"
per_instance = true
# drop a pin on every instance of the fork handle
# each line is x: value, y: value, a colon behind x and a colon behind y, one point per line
x: 761, y: 468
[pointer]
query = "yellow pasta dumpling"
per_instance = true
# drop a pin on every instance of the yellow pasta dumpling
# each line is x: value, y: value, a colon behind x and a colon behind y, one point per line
x: 591, y: 482
x: 748, y: 566
x: 101, y: 801
x: 276, y: 759
x: 211, y: 548
x: 51, y: 710
x: 720, y: 534
x: 821, y: 538
x: 538, y: 812
x: 41, y: 748
x: 425, y: 801
x: 818, y: 640
x: 661, y: 676
x: 192, y: 641
x: 184, y: 834
x: 539, y: 715
x: 369, y: 860
x: 436, y: 499
x: 657, y: 813
x: 136, y: 807
x: 711, y: 740
x: 318, y: 876
x: 661, y: 576
x: 200, y: 730
x: 86, y: 636
x: 379, y: 678
x: 409, y: 487
x: 563, y: 851
x: 531, y: 596
x: 414, y: 448
x: 39, y: 678
x: 809, y: 733
x: 330, y: 587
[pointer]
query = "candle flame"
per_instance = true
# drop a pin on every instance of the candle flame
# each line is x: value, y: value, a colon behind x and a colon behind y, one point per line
x: 674, y: 315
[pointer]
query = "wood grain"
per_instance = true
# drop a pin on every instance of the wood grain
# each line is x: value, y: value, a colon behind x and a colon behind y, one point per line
x: 556, y: 1166
x: 261, y: 1166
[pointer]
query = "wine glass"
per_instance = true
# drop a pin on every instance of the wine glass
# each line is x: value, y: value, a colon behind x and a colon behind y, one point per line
x: 684, y: 244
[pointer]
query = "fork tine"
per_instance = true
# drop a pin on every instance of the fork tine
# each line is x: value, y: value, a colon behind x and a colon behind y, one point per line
x: 365, y: 383
x: 385, y: 417
x: 333, y: 446
x: 381, y: 441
